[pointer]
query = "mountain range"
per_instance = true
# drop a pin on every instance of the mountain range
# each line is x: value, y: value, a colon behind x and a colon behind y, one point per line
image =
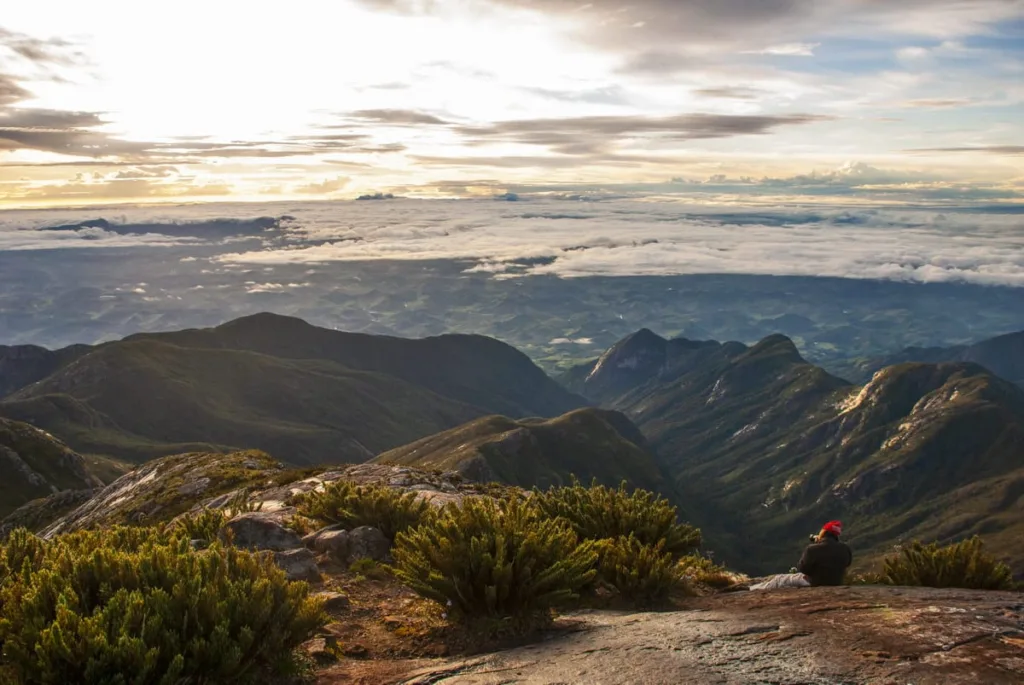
x: 772, y: 446
x: 755, y: 444
x: 273, y: 383
x: 1002, y: 355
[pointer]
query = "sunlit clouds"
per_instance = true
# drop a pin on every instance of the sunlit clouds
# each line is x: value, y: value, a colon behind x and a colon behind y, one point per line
x: 115, y: 101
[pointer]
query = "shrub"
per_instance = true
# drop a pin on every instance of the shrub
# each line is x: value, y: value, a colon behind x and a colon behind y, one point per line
x: 369, y: 568
x: 140, y: 606
x: 387, y: 509
x: 205, y: 525
x: 962, y: 564
x: 241, y: 504
x: 645, y: 574
x: 489, y: 559
x: 600, y: 512
x: 703, y: 571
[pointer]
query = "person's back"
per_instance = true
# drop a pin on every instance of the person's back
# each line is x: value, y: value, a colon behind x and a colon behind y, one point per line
x: 825, y: 561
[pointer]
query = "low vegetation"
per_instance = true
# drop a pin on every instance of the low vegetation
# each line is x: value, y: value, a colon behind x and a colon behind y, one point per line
x: 599, y: 513
x: 700, y: 570
x: 962, y: 565
x: 139, y: 605
x: 647, y: 575
x: 520, y: 556
x: 485, y: 558
x: 390, y: 510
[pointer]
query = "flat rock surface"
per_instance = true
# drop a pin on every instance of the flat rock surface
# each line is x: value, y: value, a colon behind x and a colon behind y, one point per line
x: 833, y: 636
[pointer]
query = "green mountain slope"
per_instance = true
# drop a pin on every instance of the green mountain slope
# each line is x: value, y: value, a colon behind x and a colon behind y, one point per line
x: 587, y: 443
x: 142, y: 398
x: 34, y: 464
x: 274, y: 383
x: 472, y: 369
x: 768, y: 447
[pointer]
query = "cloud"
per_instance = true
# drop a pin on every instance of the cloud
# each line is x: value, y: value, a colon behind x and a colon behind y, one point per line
x: 750, y: 25
x: 40, y: 51
x: 64, y: 132
x: 325, y: 187
x: 11, y: 90
x: 985, y: 149
x: 651, y: 235
x: 626, y: 237
x: 936, y: 103
x: 589, y: 135
x: 730, y: 92
x: 253, y: 287
x: 397, y: 117
x: 786, y: 50
x: 606, y: 95
x: 87, y: 187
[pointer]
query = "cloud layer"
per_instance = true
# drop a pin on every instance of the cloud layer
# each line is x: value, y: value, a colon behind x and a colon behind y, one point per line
x: 624, y: 237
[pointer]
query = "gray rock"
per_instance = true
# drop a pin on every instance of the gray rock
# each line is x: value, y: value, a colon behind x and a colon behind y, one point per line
x: 334, y: 601
x: 262, y: 530
x: 196, y: 487
x: 333, y: 542
x: 366, y: 542
x: 298, y: 564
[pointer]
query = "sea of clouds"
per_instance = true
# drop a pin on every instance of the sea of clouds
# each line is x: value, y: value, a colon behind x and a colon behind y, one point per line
x: 615, y: 237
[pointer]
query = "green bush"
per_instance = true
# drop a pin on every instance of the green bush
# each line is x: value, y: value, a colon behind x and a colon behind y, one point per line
x: 486, y: 558
x: 140, y: 606
x: 600, y: 512
x: 388, y: 509
x: 645, y: 574
x: 369, y: 568
x: 205, y: 525
x: 962, y: 564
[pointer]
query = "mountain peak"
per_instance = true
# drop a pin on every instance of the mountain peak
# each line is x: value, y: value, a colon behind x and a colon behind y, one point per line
x: 263, y: 321
x: 630, y: 361
x: 778, y: 345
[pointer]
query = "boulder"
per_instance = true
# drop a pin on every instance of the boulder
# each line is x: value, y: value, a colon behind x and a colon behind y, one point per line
x: 367, y: 542
x: 298, y: 564
x: 334, y: 602
x: 333, y: 542
x: 262, y: 530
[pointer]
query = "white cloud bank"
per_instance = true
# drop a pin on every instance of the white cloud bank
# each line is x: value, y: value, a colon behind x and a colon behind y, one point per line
x: 620, y: 237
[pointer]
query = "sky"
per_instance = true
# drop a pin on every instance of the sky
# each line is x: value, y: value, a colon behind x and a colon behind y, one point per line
x: 781, y: 101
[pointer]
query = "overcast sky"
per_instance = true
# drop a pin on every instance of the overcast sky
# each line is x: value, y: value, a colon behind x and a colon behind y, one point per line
x: 127, y: 101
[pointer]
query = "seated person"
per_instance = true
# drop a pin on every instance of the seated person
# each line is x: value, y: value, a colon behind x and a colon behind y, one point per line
x: 824, y: 562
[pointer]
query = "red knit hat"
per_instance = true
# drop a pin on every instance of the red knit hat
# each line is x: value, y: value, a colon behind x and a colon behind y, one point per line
x: 834, y: 527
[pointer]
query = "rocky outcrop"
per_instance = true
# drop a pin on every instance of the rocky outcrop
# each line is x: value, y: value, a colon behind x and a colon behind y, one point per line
x: 167, y: 487
x: 854, y: 636
x: 298, y: 564
x: 366, y: 542
x: 261, y: 531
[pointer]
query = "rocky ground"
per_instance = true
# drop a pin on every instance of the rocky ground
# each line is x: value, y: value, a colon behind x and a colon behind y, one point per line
x: 826, y: 636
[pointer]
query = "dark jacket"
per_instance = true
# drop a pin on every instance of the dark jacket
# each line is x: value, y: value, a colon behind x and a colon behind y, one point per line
x: 825, y: 562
